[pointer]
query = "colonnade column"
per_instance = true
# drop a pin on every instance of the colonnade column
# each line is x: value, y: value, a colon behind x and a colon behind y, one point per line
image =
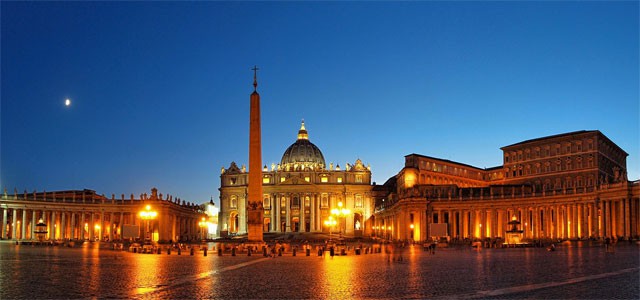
x: 73, y: 226
x: 24, y: 224
x: 91, y: 227
x: 62, y: 225
x: 4, y: 224
x: 13, y: 224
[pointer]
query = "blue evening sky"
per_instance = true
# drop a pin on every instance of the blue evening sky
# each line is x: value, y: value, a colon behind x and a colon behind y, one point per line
x: 160, y: 90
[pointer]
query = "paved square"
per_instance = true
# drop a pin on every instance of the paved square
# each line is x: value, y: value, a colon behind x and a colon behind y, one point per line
x: 575, y: 270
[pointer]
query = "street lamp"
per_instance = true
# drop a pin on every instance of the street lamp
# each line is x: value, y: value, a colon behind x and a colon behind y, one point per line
x: 148, y: 215
x: 203, y: 225
x: 330, y: 223
x: 341, y: 212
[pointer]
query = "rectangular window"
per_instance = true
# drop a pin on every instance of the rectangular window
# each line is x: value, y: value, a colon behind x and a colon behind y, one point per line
x: 325, y: 200
x: 282, y: 179
x: 339, y: 179
x: 358, y: 178
x: 358, y: 200
x: 307, y: 178
x: 265, y: 179
x: 324, y: 179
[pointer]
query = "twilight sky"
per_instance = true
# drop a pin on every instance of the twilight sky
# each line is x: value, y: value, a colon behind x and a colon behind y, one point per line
x: 160, y: 90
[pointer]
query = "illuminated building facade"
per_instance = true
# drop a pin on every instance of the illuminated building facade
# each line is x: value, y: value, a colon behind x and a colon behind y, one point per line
x: 566, y: 186
x: 85, y: 215
x: 300, y: 193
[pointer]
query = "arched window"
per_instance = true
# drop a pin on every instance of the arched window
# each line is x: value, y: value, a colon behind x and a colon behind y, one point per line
x: 265, y: 202
x: 234, y: 202
x: 295, y: 201
x: 307, y: 201
x: 325, y: 200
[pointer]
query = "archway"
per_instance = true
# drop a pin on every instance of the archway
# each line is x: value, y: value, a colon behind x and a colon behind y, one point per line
x: 233, y: 222
x: 266, y: 224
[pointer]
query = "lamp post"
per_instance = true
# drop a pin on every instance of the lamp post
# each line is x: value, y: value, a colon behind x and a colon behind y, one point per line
x: 148, y: 215
x: 203, y: 225
x: 341, y: 212
x: 330, y: 223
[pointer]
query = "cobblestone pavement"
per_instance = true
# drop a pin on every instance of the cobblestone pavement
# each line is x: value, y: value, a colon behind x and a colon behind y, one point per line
x: 584, y: 272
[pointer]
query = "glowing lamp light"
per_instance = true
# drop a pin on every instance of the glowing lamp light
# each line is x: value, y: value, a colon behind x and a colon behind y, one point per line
x: 411, y: 226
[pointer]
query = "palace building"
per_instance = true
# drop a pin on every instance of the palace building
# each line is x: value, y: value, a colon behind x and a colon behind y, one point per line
x: 84, y: 215
x: 300, y: 194
x: 566, y: 186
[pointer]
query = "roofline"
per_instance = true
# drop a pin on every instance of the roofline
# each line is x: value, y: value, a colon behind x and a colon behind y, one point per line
x: 449, y: 161
x: 579, y: 132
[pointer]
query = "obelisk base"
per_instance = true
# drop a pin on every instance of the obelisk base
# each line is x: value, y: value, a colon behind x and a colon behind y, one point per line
x: 254, y: 226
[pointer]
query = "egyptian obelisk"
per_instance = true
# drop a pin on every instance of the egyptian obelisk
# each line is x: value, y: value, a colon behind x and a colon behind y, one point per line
x: 255, y: 209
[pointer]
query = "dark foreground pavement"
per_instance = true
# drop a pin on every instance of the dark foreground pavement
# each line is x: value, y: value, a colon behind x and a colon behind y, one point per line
x: 584, y: 272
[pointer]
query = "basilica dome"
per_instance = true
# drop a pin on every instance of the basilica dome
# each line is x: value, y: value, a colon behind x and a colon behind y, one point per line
x: 302, y: 154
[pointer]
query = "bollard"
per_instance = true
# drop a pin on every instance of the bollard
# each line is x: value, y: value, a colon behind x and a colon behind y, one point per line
x: 135, y: 250
x: 179, y: 251
x: 308, y: 252
x: 169, y: 250
x: 205, y: 251
x: 357, y: 251
x: 192, y: 252
x: 280, y: 252
x: 294, y: 251
x: 264, y: 251
x: 159, y: 250
x: 249, y: 252
x: 320, y: 252
x: 233, y: 251
x: 219, y: 251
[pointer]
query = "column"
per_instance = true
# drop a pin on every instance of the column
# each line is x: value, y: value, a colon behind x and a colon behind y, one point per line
x: 620, y: 218
x: 91, y: 227
x: 13, y: 224
x: 24, y: 225
x: 312, y: 213
x: 74, y: 227
x: 606, y: 231
x: 627, y: 218
x: 33, y: 224
x: 111, y: 219
x: 288, y: 215
x: 54, y: 226
x: 4, y: 224
x: 277, y: 213
x: 63, y: 227
x: 82, y: 237
x: 301, y: 220
x: 101, y: 231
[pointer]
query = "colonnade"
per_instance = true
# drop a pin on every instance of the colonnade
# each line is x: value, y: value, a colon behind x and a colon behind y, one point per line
x: 595, y: 218
x: 95, y: 221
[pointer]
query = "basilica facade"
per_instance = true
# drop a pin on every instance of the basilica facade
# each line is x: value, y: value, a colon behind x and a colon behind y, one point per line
x: 300, y: 194
x: 566, y: 186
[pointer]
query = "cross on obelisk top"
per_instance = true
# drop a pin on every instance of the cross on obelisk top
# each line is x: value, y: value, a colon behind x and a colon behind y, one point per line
x: 255, y: 75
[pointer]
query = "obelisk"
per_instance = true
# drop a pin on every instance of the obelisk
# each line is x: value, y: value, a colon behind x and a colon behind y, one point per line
x: 255, y: 209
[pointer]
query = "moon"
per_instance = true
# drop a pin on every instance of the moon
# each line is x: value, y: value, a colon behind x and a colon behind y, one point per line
x: 67, y: 102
